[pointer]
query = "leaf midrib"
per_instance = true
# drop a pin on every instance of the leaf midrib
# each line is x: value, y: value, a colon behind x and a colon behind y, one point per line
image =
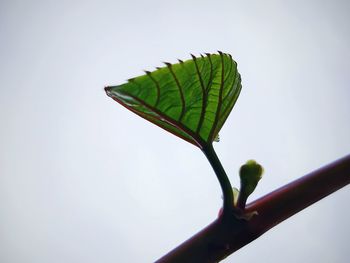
x: 197, y: 139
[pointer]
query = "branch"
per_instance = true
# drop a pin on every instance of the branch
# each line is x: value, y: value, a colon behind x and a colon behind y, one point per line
x: 227, y: 234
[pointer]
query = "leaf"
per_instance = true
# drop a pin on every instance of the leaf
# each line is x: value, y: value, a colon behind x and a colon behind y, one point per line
x: 191, y: 99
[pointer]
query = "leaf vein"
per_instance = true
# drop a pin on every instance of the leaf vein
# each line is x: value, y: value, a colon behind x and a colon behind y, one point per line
x: 183, y: 105
x: 157, y: 87
x: 170, y: 120
x: 204, y: 96
x: 211, y: 134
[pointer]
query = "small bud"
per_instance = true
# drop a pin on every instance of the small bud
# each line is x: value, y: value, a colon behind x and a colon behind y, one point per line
x: 250, y: 174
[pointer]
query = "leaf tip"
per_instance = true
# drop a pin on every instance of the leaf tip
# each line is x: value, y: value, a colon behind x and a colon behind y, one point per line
x: 108, y: 90
x: 181, y: 61
x: 147, y: 72
x: 220, y: 52
x: 193, y: 57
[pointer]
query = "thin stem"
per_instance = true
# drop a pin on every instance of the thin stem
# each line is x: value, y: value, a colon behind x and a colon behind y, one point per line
x: 222, y: 177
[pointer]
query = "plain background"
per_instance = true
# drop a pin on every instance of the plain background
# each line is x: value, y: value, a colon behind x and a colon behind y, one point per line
x: 84, y: 180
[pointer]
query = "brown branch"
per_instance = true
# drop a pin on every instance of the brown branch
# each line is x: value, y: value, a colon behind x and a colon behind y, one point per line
x: 228, y: 234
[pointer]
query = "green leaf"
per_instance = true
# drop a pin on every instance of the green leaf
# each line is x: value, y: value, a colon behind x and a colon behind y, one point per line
x: 190, y: 99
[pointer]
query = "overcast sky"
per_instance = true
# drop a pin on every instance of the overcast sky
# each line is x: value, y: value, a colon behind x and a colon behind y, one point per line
x: 84, y: 180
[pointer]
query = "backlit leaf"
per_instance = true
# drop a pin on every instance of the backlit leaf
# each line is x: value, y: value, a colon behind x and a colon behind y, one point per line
x: 191, y: 99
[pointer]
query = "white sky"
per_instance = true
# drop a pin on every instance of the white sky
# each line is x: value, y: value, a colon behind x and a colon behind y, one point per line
x: 84, y: 180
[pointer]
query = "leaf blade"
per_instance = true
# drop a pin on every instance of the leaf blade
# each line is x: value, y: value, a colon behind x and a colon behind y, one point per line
x: 191, y: 99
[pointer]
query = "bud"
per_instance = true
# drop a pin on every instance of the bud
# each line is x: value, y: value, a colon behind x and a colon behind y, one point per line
x: 250, y: 174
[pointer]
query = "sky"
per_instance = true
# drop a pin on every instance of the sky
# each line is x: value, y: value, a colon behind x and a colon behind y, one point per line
x: 84, y: 180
